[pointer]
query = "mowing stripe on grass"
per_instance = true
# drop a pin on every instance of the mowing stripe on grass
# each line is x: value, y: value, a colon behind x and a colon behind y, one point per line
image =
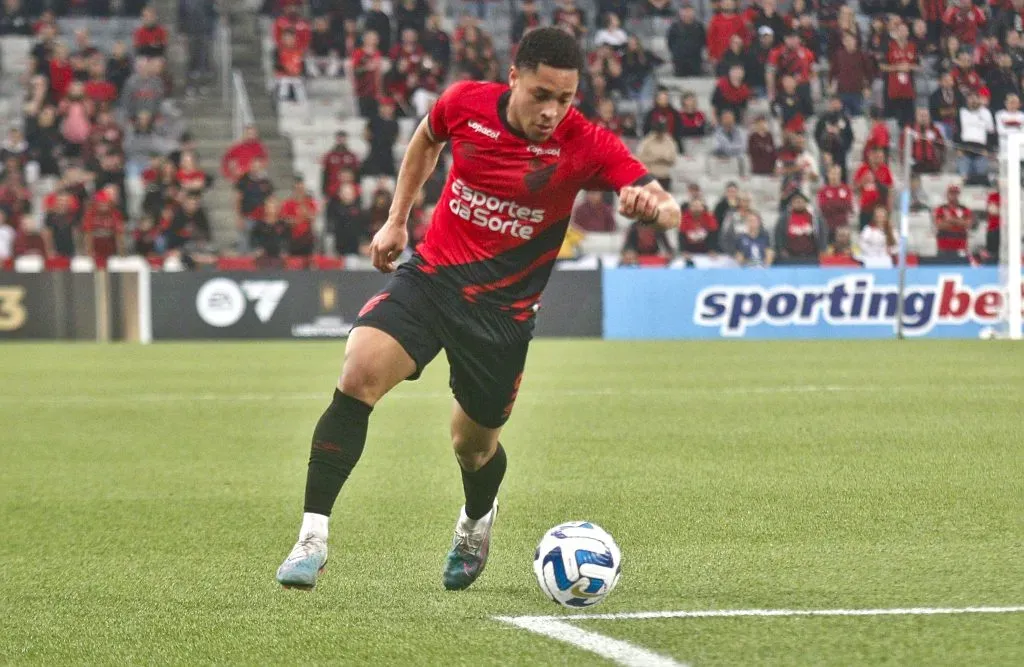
x: 616, y: 650
x: 540, y: 393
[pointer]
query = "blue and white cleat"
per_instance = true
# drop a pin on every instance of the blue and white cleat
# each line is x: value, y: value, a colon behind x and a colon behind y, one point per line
x: 472, y: 542
x: 302, y: 566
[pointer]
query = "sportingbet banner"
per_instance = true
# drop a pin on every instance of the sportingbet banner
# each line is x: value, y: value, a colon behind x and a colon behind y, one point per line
x: 648, y: 303
x: 47, y: 306
x: 324, y: 304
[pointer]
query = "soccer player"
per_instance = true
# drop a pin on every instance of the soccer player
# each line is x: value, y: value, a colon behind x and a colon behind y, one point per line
x: 521, y: 153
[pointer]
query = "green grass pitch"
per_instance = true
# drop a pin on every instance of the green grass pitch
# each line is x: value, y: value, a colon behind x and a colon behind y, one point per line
x: 147, y: 495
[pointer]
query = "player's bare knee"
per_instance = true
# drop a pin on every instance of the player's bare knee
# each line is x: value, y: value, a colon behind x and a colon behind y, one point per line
x: 473, y: 450
x: 362, y: 381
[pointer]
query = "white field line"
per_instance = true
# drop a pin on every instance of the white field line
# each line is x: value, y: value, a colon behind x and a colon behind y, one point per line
x: 616, y: 650
x: 624, y: 653
x: 545, y: 394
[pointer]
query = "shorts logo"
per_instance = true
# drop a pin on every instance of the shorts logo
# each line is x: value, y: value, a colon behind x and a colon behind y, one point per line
x: 486, y: 131
x: 372, y: 303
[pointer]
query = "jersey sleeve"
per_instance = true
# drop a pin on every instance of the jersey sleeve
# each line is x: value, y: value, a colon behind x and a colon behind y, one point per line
x: 616, y: 166
x: 441, y: 117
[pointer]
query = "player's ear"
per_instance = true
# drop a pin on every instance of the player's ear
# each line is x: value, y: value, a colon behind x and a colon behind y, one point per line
x: 513, y: 76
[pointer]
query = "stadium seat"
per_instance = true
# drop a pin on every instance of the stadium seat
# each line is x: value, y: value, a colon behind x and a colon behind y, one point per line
x: 156, y: 262
x: 7, y: 265
x: 324, y: 263
x: 58, y: 263
x: 296, y: 263
x: 86, y: 264
x: 29, y: 264
x: 652, y: 260
x: 839, y: 261
x: 236, y: 264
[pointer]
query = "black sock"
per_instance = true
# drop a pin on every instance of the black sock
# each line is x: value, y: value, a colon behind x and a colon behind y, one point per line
x: 338, y: 442
x: 481, y: 486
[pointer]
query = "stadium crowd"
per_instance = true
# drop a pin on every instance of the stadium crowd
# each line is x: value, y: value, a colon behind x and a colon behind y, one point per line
x: 790, y: 87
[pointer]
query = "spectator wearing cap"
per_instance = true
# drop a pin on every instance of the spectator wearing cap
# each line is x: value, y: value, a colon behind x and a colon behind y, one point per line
x: 381, y: 134
x: 835, y: 202
x: 945, y: 104
x: 766, y: 20
x: 799, y: 238
x: 686, y: 40
x: 103, y: 226
x: 594, y: 213
x: 150, y: 38
x: 850, y: 74
x: 367, y: 69
x: 975, y: 126
x: 731, y: 94
x: 338, y: 158
x: 324, y: 55
x: 729, y: 140
x: 952, y: 223
x: 659, y: 152
x: 756, y: 68
x: 722, y: 27
x: 238, y: 158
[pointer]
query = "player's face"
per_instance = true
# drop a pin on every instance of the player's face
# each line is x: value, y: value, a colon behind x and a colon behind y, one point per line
x: 540, y: 99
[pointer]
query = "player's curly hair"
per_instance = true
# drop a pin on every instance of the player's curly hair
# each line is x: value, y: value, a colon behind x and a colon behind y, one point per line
x: 549, y: 46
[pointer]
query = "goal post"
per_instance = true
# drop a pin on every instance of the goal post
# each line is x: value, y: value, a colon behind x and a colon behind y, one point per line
x: 1010, y: 239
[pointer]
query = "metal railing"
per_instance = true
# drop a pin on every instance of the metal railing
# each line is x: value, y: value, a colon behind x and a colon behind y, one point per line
x: 224, y: 59
x: 241, y: 109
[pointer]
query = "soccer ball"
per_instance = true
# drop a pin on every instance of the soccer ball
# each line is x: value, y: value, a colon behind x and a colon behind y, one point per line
x: 577, y: 564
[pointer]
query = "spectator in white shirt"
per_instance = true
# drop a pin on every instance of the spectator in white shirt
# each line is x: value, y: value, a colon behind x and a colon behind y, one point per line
x: 877, y: 242
x: 612, y: 33
x: 974, y: 125
x: 728, y: 141
x: 1011, y: 119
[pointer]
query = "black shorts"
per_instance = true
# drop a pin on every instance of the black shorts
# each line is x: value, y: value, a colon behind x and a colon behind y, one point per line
x: 485, y: 371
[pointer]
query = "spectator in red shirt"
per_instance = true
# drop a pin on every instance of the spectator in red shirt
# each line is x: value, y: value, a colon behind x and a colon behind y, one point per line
x: 928, y: 149
x: 692, y: 122
x: 963, y: 18
x: 965, y: 75
x: 292, y: 20
x: 190, y: 177
x: 150, y: 39
x: 644, y: 240
x: 952, y: 223
x: 731, y: 94
x: 98, y: 88
x: 61, y: 72
x: 594, y: 214
x: 791, y: 59
x: 290, y: 68
x: 878, y: 134
x: 239, y: 157
x: 103, y: 226
x: 850, y: 74
x: 835, y: 202
x: 299, y: 211
x: 761, y: 148
x: 698, y: 230
x: 798, y: 234
x: 662, y: 112
x: 367, y: 67
x: 722, y: 27
x: 337, y: 159
x: 993, y: 227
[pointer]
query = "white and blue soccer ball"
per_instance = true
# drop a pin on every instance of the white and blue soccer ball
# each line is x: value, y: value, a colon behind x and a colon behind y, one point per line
x: 577, y: 564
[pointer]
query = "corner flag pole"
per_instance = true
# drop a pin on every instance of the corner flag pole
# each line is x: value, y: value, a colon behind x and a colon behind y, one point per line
x: 904, y: 230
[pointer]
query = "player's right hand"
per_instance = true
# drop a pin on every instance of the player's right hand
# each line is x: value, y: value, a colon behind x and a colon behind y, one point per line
x: 388, y: 243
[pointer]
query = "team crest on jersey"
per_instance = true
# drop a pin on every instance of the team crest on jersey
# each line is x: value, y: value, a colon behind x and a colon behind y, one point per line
x: 539, y: 175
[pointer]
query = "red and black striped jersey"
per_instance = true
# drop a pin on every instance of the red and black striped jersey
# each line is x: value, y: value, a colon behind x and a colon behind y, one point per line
x: 501, y: 219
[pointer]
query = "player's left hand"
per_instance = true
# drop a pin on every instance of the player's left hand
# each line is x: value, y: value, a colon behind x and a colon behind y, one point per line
x: 638, y: 203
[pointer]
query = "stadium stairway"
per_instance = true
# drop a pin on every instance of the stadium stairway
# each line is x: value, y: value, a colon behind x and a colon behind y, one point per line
x: 211, y: 126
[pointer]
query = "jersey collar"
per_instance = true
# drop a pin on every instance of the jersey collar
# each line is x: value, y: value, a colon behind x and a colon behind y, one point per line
x: 503, y: 115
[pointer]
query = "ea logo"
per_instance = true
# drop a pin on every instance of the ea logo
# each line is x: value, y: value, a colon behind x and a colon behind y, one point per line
x: 221, y: 302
